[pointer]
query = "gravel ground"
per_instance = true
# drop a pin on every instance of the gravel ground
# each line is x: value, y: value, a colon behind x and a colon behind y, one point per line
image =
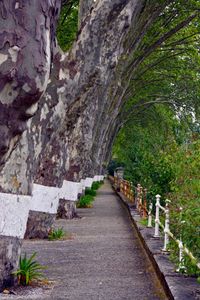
x: 103, y: 259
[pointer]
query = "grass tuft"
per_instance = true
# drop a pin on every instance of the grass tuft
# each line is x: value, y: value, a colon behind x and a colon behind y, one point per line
x: 56, y: 234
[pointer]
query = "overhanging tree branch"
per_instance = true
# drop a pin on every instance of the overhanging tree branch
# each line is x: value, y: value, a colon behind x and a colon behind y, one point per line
x: 159, y: 42
x: 126, y: 117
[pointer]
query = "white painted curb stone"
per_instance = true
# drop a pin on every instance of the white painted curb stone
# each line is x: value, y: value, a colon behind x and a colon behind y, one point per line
x: 83, y: 184
x: 45, y: 199
x: 96, y: 178
x: 88, y: 182
x: 70, y: 190
x: 14, y: 211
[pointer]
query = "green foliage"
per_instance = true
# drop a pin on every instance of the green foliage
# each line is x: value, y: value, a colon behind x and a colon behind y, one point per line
x: 186, y: 194
x: 142, y: 147
x: 168, y: 68
x: 165, y: 160
x: 144, y: 222
x: 29, y: 270
x: 96, y: 185
x: 90, y: 191
x: 85, y: 201
x: 68, y: 24
x: 159, y: 140
x: 157, y: 115
x: 56, y: 234
x: 114, y: 164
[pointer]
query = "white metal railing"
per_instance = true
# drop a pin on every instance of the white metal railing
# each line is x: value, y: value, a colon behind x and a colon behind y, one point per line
x: 140, y: 201
x: 167, y: 233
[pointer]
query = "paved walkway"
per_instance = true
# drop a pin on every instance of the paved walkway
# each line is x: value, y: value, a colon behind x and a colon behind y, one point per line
x: 104, y: 261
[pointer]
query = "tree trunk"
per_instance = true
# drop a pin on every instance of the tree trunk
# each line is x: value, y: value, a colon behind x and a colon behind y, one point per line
x: 84, y: 94
x: 72, y: 100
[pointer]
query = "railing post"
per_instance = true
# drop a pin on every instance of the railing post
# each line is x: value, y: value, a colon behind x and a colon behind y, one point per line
x: 145, y: 204
x: 120, y: 186
x: 132, y: 193
x: 140, y: 199
x: 166, y: 229
x: 150, y: 215
x: 117, y: 184
x: 125, y: 188
x: 128, y: 190
x: 157, y: 234
x: 181, y: 266
x: 137, y: 195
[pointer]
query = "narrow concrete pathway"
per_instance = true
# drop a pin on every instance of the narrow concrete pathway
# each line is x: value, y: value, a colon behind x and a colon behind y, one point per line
x: 104, y: 261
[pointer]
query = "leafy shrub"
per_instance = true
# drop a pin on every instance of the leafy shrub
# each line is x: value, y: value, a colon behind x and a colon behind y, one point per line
x: 165, y: 160
x: 90, y: 191
x: 68, y: 24
x: 113, y: 165
x: 56, y: 234
x: 96, y: 185
x: 29, y: 270
x: 143, y: 222
x: 85, y: 201
x: 186, y: 194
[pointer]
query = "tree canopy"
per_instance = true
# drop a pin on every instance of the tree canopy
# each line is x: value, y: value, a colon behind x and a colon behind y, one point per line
x: 68, y: 24
x: 158, y: 142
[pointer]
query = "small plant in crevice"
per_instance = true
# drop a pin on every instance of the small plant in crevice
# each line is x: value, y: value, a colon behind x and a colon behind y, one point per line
x: 143, y: 222
x: 29, y: 270
x: 56, y: 234
x: 85, y: 201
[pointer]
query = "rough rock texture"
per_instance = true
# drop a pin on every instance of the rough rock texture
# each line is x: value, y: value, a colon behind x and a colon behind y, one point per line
x: 71, y: 135
x: 59, y: 112
x: 66, y: 209
x: 27, y: 38
x: 39, y: 224
x: 10, y: 249
x: 84, y: 8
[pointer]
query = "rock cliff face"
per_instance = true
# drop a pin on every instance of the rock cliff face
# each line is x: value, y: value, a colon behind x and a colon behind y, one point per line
x: 59, y: 112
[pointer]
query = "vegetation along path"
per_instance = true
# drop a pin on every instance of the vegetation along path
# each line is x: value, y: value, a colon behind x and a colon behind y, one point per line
x: 103, y: 260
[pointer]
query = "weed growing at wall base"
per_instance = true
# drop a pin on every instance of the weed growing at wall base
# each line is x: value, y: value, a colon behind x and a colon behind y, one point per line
x: 56, y: 234
x: 96, y: 185
x: 90, y: 191
x: 85, y: 201
x: 29, y: 270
